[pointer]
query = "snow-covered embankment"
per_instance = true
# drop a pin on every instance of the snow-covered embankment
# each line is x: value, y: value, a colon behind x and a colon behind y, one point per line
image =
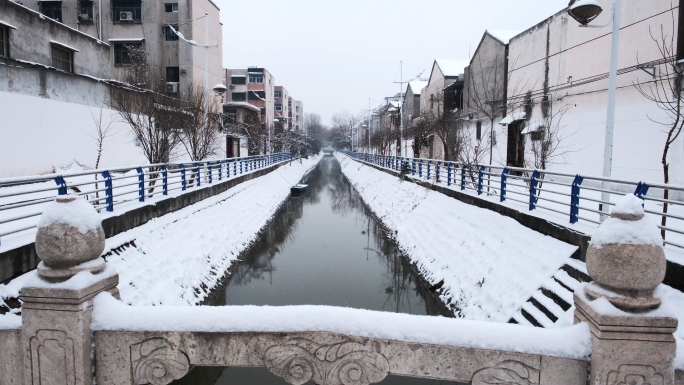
x: 490, y: 264
x: 178, y: 258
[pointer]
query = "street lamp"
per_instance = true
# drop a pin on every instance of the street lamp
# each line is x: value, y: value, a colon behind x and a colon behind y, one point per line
x: 584, y: 11
x: 367, y: 128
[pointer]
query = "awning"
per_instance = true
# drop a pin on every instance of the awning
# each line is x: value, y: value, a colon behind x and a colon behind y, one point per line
x: 127, y: 39
x: 512, y: 118
x: 7, y: 25
x: 64, y: 45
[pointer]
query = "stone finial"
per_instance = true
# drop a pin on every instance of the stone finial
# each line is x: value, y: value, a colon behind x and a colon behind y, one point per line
x: 626, y: 258
x: 70, y: 239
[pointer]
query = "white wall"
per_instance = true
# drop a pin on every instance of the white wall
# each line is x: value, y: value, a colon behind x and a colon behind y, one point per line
x: 41, y: 134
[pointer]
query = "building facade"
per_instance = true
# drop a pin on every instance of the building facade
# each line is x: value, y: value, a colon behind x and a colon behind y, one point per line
x: 254, y: 85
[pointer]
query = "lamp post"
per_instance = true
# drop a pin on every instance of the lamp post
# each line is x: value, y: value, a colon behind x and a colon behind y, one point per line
x: 585, y: 11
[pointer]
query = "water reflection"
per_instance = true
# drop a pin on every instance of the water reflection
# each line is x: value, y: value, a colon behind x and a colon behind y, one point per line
x: 324, y: 248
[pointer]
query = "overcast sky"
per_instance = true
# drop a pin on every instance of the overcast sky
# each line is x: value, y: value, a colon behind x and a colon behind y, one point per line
x: 334, y: 55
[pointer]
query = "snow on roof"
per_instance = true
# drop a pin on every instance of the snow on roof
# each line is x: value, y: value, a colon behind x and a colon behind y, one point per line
x: 64, y: 45
x: 242, y: 104
x: 504, y: 35
x: 8, y: 25
x: 510, y: 118
x: 127, y: 39
x: 452, y: 67
x: 417, y: 86
x: 238, y: 76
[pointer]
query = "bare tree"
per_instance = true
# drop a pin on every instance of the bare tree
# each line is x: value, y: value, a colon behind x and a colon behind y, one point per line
x: 345, y: 123
x: 445, y: 124
x: 199, y: 124
x: 142, y: 103
x: 666, y: 93
x: 103, y: 130
x: 549, y: 138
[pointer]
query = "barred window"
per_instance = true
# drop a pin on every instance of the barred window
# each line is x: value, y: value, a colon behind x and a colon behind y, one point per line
x: 238, y: 80
x: 122, y: 54
x: 85, y: 11
x: 256, y: 78
x: 278, y: 94
x: 62, y: 58
x: 52, y: 9
x: 4, y: 41
x: 173, y: 74
x: 126, y: 11
x: 239, y: 96
x: 171, y: 7
x: 170, y: 35
x: 278, y: 107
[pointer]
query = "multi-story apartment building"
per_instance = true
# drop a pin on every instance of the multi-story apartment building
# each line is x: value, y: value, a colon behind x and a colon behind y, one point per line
x: 282, y: 107
x: 297, y: 115
x: 129, y: 23
x: 254, y: 85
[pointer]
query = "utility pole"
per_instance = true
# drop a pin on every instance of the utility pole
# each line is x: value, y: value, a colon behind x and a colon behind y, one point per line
x: 401, y: 106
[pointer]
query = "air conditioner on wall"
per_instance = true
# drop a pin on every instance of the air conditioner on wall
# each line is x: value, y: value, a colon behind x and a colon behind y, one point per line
x: 126, y: 16
x: 172, y: 87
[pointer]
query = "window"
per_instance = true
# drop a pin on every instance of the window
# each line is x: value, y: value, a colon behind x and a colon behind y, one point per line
x: 230, y: 116
x: 257, y: 95
x: 263, y: 112
x: 297, y: 109
x: 289, y: 114
x: 171, y: 7
x: 278, y: 107
x: 432, y: 101
x: 238, y: 80
x: 170, y: 35
x: 278, y: 94
x: 85, y: 11
x: 126, y: 11
x: 52, y: 9
x: 478, y: 132
x: 239, y: 96
x: 172, y: 74
x: 538, y: 135
x: 289, y: 104
x: 256, y: 78
x: 62, y: 58
x: 122, y: 54
x: 4, y: 41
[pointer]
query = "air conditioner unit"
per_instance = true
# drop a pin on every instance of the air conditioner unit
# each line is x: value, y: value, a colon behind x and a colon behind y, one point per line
x: 126, y: 16
x: 172, y: 87
x: 85, y: 17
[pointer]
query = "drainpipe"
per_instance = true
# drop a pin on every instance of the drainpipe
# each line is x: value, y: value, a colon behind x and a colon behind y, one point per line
x: 99, y: 10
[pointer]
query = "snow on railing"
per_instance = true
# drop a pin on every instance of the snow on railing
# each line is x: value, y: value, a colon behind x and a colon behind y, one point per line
x: 557, y: 193
x: 23, y: 199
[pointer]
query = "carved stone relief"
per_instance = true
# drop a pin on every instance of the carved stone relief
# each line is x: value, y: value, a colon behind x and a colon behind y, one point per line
x: 156, y: 361
x: 507, y: 373
x: 635, y: 375
x: 348, y: 363
x: 52, y: 358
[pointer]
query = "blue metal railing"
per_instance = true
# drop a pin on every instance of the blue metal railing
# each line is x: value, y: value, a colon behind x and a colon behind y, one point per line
x: 565, y: 194
x: 23, y: 199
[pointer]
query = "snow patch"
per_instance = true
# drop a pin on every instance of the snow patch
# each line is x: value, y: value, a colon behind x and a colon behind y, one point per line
x: 617, y: 231
x: 572, y: 342
x: 77, y: 213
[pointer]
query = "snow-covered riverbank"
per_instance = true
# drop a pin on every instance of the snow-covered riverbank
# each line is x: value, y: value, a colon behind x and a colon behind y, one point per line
x: 490, y: 264
x: 178, y: 258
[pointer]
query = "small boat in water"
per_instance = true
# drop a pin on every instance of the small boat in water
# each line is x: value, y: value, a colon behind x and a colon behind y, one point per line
x: 299, y: 189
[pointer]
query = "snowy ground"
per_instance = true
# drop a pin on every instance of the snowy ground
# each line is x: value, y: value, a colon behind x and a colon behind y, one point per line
x: 490, y: 264
x: 178, y: 258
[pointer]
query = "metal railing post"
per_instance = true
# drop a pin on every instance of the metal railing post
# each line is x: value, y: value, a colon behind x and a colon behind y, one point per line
x: 183, y: 184
x: 437, y: 176
x: 575, y: 199
x: 141, y: 184
x: 463, y: 169
x: 109, y: 193
x: 234, y: 167
x: 209, y: 171
x: 413, y: 167
x: 420, y: 168
x: 429, y: 166
x: 62, y: 189
x: 641, y: 190
x: 480, y: 177
x: 449, y: 173
x: 199, y: 180
x: 240, y: 166
x: 165, y: 180
x: 534, y: 182
x: 504, y: 177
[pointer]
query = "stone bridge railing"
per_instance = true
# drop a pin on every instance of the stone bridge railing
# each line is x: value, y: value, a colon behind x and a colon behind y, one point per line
x: 73, y: 329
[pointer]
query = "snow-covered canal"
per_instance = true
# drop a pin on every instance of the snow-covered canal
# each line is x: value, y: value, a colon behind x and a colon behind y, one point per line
x: 324, y: 248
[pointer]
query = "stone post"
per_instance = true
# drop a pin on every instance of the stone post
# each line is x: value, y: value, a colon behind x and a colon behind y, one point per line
x: 56, y: 313
x: 632, y: 331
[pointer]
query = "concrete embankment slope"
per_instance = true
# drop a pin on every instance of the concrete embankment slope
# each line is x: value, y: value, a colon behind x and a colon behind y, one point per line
x: 490, y: 264
x: 178, y: 258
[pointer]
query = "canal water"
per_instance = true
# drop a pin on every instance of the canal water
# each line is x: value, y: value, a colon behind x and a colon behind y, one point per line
x: 322, y: 248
